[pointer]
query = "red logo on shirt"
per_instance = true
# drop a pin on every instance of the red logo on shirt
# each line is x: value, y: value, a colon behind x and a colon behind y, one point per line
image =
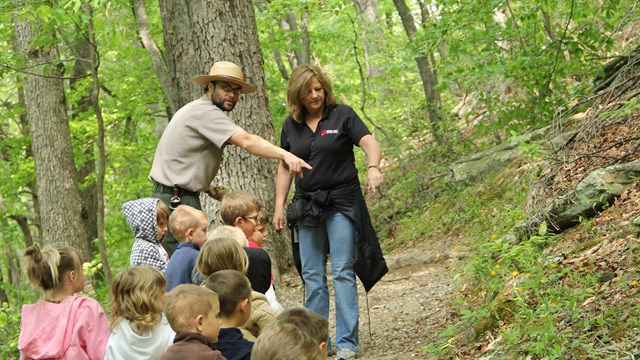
x: 326, y: 132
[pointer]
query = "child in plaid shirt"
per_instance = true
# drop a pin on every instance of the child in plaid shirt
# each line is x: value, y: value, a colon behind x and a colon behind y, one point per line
x: 148, y: 219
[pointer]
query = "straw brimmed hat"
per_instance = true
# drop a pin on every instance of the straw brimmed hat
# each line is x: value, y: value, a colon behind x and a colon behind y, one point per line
x: 225, y: 71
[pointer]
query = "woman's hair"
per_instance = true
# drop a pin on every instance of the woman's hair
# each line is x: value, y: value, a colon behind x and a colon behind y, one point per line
x: 47, y: 268
x: 185, y: 302
x: 221, y: 254
x: 298, y: 89
x: 280, y: 341
x: 137, y: 294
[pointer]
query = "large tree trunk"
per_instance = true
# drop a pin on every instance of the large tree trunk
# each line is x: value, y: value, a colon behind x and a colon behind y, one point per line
x: 56, y: 184
x: 197, y: 34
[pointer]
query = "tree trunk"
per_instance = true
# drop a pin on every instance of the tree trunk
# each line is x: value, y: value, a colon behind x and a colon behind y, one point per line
x: 56, y: 182
x: 429, y: 79
x: 99, y: 188
x: 157, y: 58
x: 81, y: 67
x: 197, y: 34
x: 371, y: 34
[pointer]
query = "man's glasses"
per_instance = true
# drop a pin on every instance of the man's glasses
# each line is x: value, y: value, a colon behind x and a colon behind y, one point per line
x: 228, y: 88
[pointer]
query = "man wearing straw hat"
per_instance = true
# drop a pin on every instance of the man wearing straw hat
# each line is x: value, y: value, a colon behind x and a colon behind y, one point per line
x: 189, y: 152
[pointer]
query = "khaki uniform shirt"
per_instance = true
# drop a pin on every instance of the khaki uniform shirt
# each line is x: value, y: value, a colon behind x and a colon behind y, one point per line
x: 189, y: 152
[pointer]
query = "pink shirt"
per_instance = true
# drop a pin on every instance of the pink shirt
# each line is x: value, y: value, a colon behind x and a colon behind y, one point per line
x: 76, y: 328
x: 252, y: 244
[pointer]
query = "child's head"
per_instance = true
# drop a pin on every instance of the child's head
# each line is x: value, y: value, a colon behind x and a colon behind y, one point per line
x: 192, y: 308
x: 261, y: 230
x: 309, y: 322
x: 138, y: 294
x: 240, y: 209
x: 162, y: 218
x: 281, y: 341
x: 189, y: 224
x: 234, y: 293
x: 221, y: 254
x: 55, y: 268
x: 148, y: 218
x: 229, y: 231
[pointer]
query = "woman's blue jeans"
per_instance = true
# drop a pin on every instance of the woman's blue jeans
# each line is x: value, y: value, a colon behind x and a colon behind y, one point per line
x: 336, y: 234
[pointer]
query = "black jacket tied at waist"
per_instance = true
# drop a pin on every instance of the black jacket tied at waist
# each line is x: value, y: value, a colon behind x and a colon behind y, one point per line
x: 370, y: 265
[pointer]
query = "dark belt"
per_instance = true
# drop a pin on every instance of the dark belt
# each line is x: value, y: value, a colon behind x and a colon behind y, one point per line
x: 169, y: 190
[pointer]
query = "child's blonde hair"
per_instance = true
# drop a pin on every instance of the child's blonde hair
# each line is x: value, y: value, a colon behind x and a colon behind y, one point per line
x: 228, y: 231
x: 136, y: 294
x: 308, y: 321
x: 237, y: 204
x: 221, y: 254
x: 280, y: 341
x: 232, y: 287
x: 47, y: 268
x: 183, y: 218
x: 185, y: 302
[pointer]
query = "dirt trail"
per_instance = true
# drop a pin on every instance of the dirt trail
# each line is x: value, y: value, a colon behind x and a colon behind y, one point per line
x: 408, y: 307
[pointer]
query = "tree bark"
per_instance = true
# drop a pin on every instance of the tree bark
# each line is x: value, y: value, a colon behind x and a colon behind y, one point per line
x: 157, y: 58
x: 371, y: 33
x: 427, y: 73
x: 197, y: 34
x: 99, y: 188
x: 81, y: 68
x: 56, y: 181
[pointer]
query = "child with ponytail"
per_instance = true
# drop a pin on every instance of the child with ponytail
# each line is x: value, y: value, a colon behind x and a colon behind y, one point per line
x: 62, y: 325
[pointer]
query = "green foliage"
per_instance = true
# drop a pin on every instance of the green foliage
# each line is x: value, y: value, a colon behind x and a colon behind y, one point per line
x: 9, y: 331
x: 539, y: 307
x: 521, y: 60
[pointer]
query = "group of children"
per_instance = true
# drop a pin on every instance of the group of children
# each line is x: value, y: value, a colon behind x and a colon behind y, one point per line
x: 212, y: 298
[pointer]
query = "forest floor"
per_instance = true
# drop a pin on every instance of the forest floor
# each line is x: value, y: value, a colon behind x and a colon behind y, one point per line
x: 407, y: 308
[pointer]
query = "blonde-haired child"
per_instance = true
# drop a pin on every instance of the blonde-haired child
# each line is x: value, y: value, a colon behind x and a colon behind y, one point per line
x: 62, y: 325
x: 193, y: 312
x: 139, y: 329
x: 148, y: 219
x: 231, y: 232
x: 259, y: 270
x: 282, y: 341
x: 226, y: 254
x: 189, y: 226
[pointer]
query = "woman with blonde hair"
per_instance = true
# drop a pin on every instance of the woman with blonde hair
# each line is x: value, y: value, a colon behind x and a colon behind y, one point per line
x: 227, y: 254
x: 62, y: 325
x: 139, y: 328
x: 328, y: 214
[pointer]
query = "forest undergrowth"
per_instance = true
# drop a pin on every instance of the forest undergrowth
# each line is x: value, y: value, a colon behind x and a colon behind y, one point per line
x: 572, y: 295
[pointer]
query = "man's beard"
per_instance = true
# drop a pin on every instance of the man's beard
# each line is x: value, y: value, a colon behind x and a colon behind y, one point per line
x: 220, y: 104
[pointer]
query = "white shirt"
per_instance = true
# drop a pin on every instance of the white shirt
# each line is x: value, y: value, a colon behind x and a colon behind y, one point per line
x: 124, y: 343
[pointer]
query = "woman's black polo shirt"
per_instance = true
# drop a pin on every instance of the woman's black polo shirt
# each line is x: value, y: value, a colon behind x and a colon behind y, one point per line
x: 329, y: 150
